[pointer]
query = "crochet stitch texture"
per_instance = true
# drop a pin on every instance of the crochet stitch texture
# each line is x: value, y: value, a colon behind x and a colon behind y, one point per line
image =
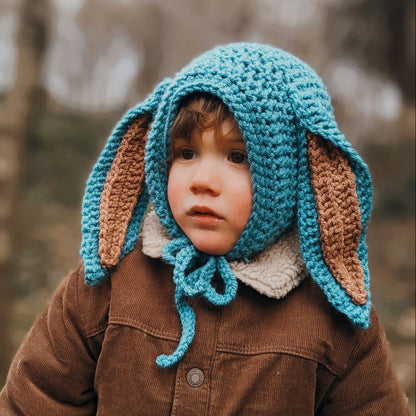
x: 280, y: 105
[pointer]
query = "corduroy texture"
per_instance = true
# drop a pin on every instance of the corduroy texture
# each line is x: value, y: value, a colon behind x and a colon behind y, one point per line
x: 259, y: 356
x: 276, y: 100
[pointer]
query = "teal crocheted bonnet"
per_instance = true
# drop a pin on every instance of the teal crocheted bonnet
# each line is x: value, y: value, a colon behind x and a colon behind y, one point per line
x: 304, y: 173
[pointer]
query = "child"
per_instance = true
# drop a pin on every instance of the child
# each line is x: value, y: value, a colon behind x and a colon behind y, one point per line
x: 247, y: 292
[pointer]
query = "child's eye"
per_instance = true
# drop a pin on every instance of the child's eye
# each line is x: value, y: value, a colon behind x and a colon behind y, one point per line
x: 238, y: 157
x: 186, y: 154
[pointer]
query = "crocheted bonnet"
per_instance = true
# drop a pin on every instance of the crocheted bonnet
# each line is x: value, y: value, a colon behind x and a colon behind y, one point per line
x: 304, y: 173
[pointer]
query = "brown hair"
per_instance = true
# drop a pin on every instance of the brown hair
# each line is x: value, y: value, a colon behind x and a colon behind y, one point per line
x: 199, y: 110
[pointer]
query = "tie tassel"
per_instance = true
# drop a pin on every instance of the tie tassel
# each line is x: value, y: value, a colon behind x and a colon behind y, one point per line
x: 193, y: 273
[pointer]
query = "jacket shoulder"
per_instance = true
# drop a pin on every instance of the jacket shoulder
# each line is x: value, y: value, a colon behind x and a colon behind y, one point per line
x: 87, y: 304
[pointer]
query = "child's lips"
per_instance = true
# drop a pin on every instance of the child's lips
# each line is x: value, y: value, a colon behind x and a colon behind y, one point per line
x: 204, y: 216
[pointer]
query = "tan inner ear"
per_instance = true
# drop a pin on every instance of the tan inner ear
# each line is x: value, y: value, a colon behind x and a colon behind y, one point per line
x: 123, y: 185
x: 339, y: 215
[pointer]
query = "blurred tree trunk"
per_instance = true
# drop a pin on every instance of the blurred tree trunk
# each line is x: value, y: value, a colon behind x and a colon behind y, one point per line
x: 400, y: 50
x: 150, y: 38
x: 17, y: 116
x: 380, y: 34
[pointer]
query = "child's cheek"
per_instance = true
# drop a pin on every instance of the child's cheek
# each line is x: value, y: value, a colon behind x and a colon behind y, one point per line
x: 174, y: 190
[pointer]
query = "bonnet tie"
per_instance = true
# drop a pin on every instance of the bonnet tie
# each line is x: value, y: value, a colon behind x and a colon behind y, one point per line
x: 193, y: 273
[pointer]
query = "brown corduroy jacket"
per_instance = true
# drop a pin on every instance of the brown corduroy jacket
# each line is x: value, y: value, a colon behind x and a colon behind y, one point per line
x: 93, y: 351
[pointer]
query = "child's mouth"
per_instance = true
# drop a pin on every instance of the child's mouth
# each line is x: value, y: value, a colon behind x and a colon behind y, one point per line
x: 204, y: 215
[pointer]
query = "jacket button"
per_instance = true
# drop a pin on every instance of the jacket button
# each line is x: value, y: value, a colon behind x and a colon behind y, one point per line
x: 195, y: 377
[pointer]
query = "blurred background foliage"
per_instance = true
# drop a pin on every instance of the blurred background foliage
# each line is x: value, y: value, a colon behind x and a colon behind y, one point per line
x: 70, y: 68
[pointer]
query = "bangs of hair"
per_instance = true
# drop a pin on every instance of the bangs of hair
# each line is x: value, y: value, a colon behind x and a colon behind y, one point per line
x: 201, y: 111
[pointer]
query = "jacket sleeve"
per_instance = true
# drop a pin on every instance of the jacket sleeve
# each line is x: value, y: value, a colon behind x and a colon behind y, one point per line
x: 369, y: 385
x: 53, y: 371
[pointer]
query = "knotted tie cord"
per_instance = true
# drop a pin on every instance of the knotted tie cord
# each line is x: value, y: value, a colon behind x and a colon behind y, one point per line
x: 192, y: 281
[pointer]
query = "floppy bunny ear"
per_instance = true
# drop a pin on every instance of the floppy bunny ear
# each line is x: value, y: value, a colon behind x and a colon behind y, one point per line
x: 334, y: 198
x: 123, y: 185
x: 339, y: 216
x: 116, y: 196
x: 332, y: 225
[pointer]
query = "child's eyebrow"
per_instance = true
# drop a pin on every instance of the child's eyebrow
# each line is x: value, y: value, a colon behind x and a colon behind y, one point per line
x: 234, y: 138
x: 180, y: 139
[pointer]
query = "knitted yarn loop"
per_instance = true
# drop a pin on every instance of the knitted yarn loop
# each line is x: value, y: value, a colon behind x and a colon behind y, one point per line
x: 191, y: 280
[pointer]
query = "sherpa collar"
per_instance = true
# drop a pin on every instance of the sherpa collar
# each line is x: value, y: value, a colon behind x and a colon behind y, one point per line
x: 274, y: 272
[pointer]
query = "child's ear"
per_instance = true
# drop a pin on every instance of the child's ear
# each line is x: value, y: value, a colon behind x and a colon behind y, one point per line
x: 339, y: 217
x: 123, y: 185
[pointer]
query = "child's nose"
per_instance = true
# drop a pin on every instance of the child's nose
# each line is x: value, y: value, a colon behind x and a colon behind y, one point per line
x: 206, y: 178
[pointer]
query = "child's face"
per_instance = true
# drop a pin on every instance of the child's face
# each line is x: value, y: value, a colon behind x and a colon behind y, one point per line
x: 209, y: 187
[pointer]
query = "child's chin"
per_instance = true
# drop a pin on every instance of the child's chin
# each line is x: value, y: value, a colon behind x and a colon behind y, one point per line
x: 213, y: 248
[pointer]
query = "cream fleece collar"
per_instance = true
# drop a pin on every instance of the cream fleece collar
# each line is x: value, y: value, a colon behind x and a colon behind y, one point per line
x: 274, y: 272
